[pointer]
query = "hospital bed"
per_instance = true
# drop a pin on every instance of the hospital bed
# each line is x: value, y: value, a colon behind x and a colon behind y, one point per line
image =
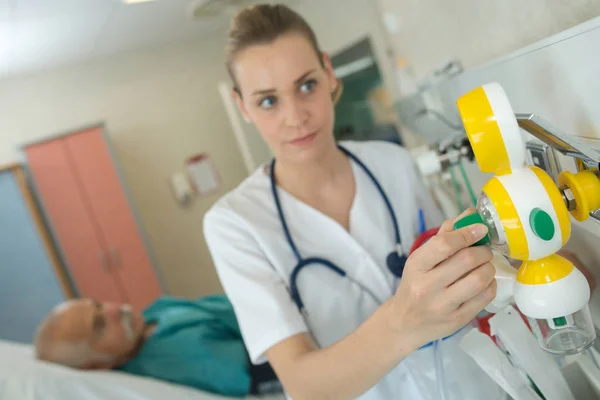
x: 22, y: 377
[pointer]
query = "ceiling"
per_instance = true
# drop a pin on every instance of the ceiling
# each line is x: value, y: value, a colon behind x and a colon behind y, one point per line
x: 41, y: 34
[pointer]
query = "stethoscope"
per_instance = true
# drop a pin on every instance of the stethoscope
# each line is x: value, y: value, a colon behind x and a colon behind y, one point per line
x: 395, y: 260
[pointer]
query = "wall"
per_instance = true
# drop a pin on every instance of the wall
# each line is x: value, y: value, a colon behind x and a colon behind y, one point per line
x: 430, y: 32
x: 336, y: 30
x: 159, y: 107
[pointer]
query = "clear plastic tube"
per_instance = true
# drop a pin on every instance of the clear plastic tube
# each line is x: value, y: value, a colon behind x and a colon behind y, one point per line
x: 468, y: 184
x: 439, y: 368
x: 456, y: 189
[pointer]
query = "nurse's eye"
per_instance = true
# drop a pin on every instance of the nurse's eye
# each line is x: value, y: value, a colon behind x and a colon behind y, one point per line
x: 308, y: 86
x: 267, y: 102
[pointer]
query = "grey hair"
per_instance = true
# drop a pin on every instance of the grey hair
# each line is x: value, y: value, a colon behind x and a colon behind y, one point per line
x: 75, y: 354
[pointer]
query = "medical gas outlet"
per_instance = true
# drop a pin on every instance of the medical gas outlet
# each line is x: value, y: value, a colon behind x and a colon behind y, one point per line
x: 528, y: 219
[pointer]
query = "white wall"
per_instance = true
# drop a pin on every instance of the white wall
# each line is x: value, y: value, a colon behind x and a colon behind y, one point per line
x: 340, y: 23
x: 430, y: 32
x: 159, y: 107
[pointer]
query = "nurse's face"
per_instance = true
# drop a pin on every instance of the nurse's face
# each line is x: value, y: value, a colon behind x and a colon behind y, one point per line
x: 286, y: 92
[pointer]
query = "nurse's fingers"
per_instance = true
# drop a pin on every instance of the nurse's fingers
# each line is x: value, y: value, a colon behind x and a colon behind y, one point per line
x: 444, y: 245
x: 471, y: 285
x: 469, y: 309
x: 460, y: 264
x: 448, y: 225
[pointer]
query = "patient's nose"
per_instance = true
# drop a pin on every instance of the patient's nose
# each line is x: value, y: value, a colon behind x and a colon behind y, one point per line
x: 112, y: 311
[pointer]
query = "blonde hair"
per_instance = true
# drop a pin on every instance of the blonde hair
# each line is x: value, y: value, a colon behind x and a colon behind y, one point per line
x: 263, y: 24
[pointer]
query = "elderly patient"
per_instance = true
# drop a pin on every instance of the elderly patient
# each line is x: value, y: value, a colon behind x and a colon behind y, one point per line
x: 191, y: 342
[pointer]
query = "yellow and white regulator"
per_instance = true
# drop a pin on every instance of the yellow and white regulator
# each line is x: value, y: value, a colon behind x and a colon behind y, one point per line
x: 527, y: 214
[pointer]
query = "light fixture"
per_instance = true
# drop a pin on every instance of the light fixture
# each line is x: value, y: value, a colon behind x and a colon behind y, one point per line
x: 136, y: 1
x: 353, y: 67
x: 199, y: 9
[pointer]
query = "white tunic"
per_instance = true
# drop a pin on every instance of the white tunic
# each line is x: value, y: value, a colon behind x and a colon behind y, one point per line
x: 254, y: 262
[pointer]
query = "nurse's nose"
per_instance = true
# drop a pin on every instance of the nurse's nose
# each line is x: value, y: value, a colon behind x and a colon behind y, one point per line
x: 295, y: 113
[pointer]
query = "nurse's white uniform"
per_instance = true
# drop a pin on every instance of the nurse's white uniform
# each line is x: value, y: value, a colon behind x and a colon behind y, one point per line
x: 254, y: 262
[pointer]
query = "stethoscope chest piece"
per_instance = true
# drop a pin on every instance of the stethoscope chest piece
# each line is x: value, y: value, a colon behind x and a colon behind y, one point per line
x: 395, y: 262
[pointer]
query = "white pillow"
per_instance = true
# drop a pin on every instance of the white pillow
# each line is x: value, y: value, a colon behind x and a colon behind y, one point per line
x: 22, y: 377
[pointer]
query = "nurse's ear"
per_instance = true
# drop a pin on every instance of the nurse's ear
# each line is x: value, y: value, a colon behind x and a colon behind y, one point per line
x: 237, y: 97
x: 331, y: 78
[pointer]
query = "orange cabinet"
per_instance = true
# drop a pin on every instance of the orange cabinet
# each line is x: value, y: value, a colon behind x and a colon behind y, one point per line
x: 79, y: 187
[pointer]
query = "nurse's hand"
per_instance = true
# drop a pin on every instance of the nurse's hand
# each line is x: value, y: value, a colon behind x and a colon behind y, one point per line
x: 445, y: 284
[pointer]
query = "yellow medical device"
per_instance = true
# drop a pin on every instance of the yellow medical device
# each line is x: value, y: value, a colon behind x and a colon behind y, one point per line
x: 528, y: 219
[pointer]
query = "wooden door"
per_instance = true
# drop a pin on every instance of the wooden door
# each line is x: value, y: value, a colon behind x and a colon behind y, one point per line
x: 69, y: 211
x: 130, y: 260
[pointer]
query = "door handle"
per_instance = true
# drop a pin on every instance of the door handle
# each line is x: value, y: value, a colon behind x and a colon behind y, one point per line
x: 104, y: 262
x: 115, y: 257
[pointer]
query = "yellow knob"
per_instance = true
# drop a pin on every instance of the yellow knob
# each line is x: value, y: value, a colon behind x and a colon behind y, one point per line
x: 585, y: 187
x: 483, y: 131
x: 544, y: 270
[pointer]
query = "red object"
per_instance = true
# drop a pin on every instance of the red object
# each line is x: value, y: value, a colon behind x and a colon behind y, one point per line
x: 196, y: 158
x: 483, y: 324
x: 424, y: 237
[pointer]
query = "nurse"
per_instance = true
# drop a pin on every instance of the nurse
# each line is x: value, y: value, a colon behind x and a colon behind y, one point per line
x: 355, y: 331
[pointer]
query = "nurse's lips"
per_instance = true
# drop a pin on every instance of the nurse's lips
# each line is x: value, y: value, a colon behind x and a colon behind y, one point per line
x: 304, y: 140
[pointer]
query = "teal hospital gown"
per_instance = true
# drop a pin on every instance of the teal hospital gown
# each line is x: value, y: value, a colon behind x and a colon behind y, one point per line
x: 195, y: 343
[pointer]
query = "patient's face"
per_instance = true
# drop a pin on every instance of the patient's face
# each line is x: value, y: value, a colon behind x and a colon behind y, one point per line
x: 111, y: 329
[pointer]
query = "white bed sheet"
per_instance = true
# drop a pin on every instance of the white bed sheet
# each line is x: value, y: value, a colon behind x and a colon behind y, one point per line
x: 22, y: 377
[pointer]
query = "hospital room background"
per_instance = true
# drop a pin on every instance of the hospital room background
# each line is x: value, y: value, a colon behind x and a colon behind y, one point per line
x: 118, y: 133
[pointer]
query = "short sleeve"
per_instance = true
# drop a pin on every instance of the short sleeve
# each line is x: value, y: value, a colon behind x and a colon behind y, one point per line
x: 261, y: 301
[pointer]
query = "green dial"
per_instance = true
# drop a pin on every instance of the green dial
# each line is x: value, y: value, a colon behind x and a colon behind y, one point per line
x: 472, y: 219
x: 541, y: 224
